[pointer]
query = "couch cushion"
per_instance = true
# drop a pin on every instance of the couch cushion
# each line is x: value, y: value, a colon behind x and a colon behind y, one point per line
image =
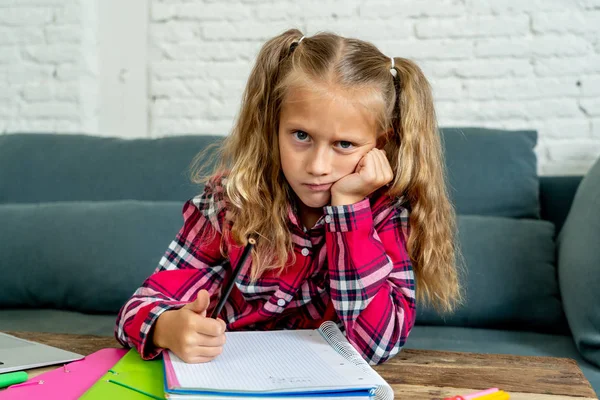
x: 492, y: 171
x: 86, y: 256
x: 579, y: 266
x: 509, y: 278
x: 501, y: 342
x: 52, y: 167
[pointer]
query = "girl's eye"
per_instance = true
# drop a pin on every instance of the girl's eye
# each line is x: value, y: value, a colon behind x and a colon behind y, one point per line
x: 345, y: 145
x: 300, y: 135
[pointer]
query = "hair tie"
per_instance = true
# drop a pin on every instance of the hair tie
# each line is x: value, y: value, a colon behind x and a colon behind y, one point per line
x: 393, y: 69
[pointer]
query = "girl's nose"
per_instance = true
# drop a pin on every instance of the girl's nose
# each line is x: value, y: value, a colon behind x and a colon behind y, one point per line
x: 318, y: 162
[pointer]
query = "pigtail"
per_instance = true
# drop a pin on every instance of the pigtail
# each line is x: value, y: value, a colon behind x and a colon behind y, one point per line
x: 420, y: 177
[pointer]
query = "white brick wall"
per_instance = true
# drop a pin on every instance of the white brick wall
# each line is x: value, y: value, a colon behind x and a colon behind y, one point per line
x: 497, y: 63
x: 41, y: 71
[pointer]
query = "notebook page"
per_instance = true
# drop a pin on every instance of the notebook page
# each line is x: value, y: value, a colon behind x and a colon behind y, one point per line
x: 273, y: 361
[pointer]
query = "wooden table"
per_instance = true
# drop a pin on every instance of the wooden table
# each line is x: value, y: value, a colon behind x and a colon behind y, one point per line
x: 423, y: 374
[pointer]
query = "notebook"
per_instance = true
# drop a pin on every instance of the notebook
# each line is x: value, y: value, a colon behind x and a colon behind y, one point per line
x: 67, y: 382
x: 129, y: 379
x: 308, y: 364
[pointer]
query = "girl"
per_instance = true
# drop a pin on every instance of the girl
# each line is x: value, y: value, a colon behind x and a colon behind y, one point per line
x: 335, y: 167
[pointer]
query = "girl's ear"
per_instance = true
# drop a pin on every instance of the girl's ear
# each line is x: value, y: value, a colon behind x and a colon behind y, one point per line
x: 383, y: 138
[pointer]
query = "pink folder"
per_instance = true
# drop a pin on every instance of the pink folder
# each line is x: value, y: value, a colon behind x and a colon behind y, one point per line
x: 67, y: 382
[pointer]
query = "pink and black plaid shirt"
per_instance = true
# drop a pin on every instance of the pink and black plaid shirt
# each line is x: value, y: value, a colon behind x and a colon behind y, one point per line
x: 352, y: 267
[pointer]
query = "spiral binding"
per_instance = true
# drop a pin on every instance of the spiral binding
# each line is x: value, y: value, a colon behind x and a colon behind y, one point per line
x: 336, y: 339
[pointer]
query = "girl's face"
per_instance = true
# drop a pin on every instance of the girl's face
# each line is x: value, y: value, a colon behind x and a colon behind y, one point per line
x: 323, y: 134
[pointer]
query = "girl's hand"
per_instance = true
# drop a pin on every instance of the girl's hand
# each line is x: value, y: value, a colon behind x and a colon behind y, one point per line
x: 188, y: 333
x: 372, y: 172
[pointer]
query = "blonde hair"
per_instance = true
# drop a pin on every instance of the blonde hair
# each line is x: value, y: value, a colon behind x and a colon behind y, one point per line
x: 258, y: 194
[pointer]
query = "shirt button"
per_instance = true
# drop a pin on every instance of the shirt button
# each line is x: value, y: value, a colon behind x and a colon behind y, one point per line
x: 305, y: 252
x: 328, y: 219
x: 281, y: 302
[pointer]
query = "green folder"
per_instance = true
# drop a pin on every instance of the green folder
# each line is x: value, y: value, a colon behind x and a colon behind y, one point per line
x: 130, y: 378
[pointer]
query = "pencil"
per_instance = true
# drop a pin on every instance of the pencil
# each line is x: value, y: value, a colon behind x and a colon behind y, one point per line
x: 236, y: 272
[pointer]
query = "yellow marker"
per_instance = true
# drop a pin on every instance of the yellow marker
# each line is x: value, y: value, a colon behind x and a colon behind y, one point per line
x: 499, y: 395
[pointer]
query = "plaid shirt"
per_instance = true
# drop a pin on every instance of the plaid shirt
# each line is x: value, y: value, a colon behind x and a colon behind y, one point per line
x: 352, y: 267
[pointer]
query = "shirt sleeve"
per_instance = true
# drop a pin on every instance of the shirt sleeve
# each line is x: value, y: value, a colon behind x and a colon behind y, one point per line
x: 371, y: 276
x: 192, y: 262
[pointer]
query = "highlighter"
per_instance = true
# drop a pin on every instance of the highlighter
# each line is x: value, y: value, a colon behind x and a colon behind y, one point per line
x: 12, y: 378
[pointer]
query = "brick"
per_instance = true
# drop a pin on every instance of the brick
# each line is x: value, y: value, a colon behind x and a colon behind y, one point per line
x: 278, y: 11
x: 205, y: 89
x: 179, y: 108
x: 179, y: 126
x: 549, y: 45
x: 8, y: 110
x: 9, y: 54
x: 414, y: 8
x: 447, y: 89
x: 489, y: 68
x: 565, y: 128
x: 45, y: 92
x: 170, y: 88
x: 29, y: 125
x: 174, y: 31
x: 564, y: 167
x: 330, y: 9
x: 566, y: 22
x: 473, y: 26
x: 243, y: 31
x: 63, y: 34
x: 200, y: 11
x: 369, y: 30
x: 591, y: 106
x: 225, y: 70
x: 589, y: 4
x: 14, y: 35
x: 434, y: 49
x: 513, y: 6
x: 71, y: 14
x: 596, y: 127
x: 8, y: 92
x: 227, y: 108
x: 50, y: 109
x: 556, y: 66
x: 209, y: 51
x: 590, y: 85
x: 67, y: 126
x: 571, y: 150
x: 69, y: 72
x: 56, y: 53
x: 18, y: 16
x: 523, y: 88
x: 174, y: 69
x: 26, y: 73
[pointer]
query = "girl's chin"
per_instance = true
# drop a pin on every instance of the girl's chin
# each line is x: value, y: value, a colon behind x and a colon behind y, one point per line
x: 313, y: 202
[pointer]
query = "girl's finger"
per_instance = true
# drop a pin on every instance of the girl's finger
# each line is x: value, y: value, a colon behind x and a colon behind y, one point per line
x: 386, y: 168
x: 210, y: 341
x: 203, y: 351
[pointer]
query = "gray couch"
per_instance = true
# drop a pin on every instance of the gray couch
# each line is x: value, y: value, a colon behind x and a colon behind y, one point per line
x: 84, y: 220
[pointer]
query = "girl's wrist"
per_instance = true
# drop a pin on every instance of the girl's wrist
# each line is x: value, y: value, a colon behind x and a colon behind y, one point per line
x: 341, y: 200
x: 158, y: 336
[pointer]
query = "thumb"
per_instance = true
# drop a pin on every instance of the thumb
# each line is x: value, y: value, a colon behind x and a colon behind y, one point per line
x: 201, y: 303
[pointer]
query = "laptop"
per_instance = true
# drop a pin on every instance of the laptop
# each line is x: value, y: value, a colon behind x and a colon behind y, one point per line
x: 18, y: 354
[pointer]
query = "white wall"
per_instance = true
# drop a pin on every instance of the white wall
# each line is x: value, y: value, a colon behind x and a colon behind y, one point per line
x: 156, y: 68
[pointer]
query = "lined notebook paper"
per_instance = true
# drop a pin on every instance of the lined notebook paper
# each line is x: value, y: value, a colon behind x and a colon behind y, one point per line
x: 285, y: 362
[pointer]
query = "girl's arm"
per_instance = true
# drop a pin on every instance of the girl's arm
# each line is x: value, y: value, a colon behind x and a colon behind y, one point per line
x: 372, y: 282
x: 192, y: 262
